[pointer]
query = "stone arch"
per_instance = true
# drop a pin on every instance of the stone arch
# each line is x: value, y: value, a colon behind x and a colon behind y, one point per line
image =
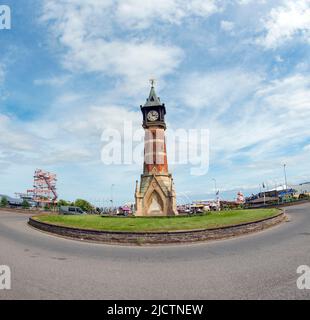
x: 155, y: 204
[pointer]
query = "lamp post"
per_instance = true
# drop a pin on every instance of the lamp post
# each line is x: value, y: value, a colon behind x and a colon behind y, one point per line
x: 215, y: 188
x: 112, y: 186
x: 284, y: 169
x: 186, y: 197
x: 264, y: 186
x: 218, y: 204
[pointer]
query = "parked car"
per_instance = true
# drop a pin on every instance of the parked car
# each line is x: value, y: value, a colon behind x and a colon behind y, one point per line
x: 71, y: 211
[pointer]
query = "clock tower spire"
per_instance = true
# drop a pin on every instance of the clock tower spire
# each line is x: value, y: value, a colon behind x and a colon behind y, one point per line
x: 153, y: 110
x: 156, y: 195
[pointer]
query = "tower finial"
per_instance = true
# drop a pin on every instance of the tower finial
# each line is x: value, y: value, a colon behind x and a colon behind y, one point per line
x: 152, y: 82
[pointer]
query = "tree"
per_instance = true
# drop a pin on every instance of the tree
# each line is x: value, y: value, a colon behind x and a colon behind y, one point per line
x: 25, y: 204
x: 84, y: 205
x: 4, y: 202
x: 63, y: 203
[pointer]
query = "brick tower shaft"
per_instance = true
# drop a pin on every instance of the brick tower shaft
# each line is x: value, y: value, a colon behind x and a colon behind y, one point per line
x: 155, y: 151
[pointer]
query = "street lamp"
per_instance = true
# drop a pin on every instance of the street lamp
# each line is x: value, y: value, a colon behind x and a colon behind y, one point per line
x: 215, y: 188
x: 264, y: 186
x: 186, y: 197
x: 112, y: 186
x: 284, y: 168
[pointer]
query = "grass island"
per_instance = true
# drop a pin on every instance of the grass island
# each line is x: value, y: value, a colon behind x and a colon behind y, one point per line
x: 159, y: 224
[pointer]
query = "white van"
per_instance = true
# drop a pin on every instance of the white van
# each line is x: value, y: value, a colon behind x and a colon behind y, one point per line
x: 71, y: 211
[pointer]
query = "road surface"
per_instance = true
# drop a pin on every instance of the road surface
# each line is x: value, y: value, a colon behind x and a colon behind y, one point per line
x: 257, y: 266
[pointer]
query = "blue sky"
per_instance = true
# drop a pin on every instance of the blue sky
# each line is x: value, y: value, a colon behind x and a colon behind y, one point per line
x: 70, y: 69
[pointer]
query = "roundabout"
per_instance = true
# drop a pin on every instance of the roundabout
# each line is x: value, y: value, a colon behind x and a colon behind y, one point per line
x: 261, y: 265
x: 159, y: 230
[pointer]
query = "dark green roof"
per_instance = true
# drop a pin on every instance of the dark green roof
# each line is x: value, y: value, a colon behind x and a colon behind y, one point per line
x: 152, y: 100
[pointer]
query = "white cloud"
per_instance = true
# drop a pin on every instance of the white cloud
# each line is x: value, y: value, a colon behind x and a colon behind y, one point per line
x: 134, y: 61
x: 279, y: 59
x: 142, y: 14
x: 87, y: 32
x: 52, y: 81
x: 218, y: 89
x: 246, y: 2
x: 68, y: 154
x: 13, y: 137
x: 227, y: 25
x: 97, y: 118
x: 279, y: 121
x: 286, y: 22
x: 104, y: 36
x: 74, y: 139
x: 260, y: 126
x: 291, y: 94
x: 2, y: 78
x: 2, y: 74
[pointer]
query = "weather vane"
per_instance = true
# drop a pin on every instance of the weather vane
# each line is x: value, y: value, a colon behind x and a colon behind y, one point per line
x: 152, y: 81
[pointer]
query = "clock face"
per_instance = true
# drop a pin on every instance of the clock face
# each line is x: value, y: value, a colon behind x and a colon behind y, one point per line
x: 153, y: 115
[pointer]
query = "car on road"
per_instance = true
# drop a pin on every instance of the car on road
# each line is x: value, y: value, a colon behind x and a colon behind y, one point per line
x: 66, y: 210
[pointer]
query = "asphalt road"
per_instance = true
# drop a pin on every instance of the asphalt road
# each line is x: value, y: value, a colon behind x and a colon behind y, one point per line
x: 258, y: 266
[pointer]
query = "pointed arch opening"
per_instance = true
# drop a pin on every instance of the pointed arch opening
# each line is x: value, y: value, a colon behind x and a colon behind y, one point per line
x: 155, y: 205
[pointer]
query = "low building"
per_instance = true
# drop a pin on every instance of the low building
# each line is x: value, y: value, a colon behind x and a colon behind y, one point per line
x: 302, y: 188
x: 262, y: 201
x: 230, y: 204
x: 13, y: 202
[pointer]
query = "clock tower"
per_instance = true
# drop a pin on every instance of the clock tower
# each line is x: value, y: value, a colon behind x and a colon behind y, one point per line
x: 155, y: 195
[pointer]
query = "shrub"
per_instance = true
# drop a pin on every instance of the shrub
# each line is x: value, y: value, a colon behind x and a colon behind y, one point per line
x: 4, y: 202
x: 25, y: 204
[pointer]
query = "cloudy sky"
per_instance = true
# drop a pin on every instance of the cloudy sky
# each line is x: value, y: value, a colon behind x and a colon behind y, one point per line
x: 69, y: 69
